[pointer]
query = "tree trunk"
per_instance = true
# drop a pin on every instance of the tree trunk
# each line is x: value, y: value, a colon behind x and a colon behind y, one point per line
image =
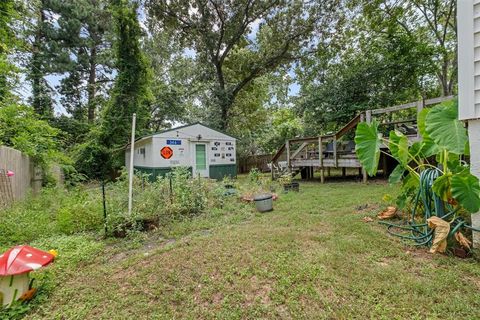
x: 225, y: 103
x: 40, y: 100
x: 92, y: 85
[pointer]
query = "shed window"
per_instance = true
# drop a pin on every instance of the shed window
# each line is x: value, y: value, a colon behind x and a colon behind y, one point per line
x: 141, y: 151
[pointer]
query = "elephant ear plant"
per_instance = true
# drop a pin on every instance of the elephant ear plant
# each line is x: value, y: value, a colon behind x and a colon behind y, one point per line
x: 434, y: 165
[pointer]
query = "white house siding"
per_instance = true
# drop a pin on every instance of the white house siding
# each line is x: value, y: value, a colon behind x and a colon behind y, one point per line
x: 468, y: 25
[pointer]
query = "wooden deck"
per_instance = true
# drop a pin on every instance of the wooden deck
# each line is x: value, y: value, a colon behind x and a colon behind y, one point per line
x: 334, y: 151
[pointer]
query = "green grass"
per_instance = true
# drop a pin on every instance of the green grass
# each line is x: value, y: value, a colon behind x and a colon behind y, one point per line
x: 312, y: 257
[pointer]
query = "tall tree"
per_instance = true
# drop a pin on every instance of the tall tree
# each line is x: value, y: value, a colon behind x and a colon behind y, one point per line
x: 375, y: 72
x: 276, y: 32
x: 131, y: 92
x: 431, y: 22
x: 41, y: 99
x: 173, y: 86
x: 81, y: 37
x: 7, y: 42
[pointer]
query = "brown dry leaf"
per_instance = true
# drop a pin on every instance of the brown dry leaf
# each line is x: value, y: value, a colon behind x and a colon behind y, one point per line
x: 464, y: 242
x: 387, y: 213
x: 367, y: 219
x: 442, y: 228
x: 28, y: 295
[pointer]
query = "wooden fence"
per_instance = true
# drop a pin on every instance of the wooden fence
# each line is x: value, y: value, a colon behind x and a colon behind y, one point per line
x: 27, y: 177
x: 257, y: 161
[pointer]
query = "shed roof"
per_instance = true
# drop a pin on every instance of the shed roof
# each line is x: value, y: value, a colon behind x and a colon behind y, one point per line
x: 182, y: 127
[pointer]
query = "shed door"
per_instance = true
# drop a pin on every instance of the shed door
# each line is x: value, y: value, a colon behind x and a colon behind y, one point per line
x: 200, y: 167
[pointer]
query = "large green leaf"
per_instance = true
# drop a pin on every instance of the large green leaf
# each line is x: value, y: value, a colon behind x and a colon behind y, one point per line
x: 367, y: 146
x: 429, y: 147
x: 442, y: 186
x: 466, y: 190
x: 443, y: 126
x: 398, y: 145
x: 396, y: 175
x: 421, y: 119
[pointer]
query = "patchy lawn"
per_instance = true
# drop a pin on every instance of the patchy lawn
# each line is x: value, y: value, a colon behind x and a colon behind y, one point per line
x: 312, y: 257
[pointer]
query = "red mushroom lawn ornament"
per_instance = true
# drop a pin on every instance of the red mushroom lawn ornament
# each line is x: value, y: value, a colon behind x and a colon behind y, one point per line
x: 15, y: 265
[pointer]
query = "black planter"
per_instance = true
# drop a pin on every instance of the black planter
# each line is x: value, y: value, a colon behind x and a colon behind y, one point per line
x: 293, y: 186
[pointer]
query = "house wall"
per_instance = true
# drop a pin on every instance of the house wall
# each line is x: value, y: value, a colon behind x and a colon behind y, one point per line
x: 468, y: 18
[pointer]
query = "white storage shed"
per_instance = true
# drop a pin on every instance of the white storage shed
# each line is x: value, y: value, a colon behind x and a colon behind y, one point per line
x: 205, y: 151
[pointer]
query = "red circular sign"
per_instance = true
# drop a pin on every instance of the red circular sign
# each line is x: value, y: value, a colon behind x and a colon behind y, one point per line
x: 166, y: 152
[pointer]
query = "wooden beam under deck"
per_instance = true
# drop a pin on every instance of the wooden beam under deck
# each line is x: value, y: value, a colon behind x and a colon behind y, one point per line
x: 327, y: 163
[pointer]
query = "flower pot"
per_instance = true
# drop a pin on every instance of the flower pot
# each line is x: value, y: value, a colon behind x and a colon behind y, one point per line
x: 229, y: 190
x: 263, y: 202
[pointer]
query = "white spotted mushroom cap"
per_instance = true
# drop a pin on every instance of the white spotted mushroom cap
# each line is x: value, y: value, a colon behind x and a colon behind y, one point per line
x: 23, y: 259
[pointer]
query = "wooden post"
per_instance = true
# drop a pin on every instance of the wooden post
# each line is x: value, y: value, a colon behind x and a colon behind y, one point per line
x: 368, y: 116
x: 320, y: 159
x: 365, y: 176
x: 130, y: 172
x: 335, y: 159
x: 320, y: 151
x: 273, y: 174
x: 420, y: 106
x: 287, y: 146
x: 384, y: 165
x: 344, y: 171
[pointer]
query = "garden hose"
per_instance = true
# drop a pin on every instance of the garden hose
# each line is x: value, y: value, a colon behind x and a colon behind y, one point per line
x: 432, y: 205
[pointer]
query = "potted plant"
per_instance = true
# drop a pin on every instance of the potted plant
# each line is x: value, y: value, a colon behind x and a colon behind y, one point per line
x: 287, y: 183
x: 229, y: 185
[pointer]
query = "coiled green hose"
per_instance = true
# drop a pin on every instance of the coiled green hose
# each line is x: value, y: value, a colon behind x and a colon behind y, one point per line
x: 432, y: 205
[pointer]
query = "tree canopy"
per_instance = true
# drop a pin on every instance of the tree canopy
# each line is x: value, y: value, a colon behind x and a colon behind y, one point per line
x: 264, y: 71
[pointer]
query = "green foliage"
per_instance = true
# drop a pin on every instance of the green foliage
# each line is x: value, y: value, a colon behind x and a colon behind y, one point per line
x: 20, y: 128
x: 230, y: 51
x: 443, y: 127
x: 7, y: 44
x: 16, y: 310
x: 283, y: 125
x: 397, y: 174
x: 254, y: 175
x: 85, y: 57
x: 91, y: 157
x: 368, y: 143
x: 430, y: 25
x: 131, y: 92
x: 465, y: 188
x: 398, y: 145
x: 445, y: 134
